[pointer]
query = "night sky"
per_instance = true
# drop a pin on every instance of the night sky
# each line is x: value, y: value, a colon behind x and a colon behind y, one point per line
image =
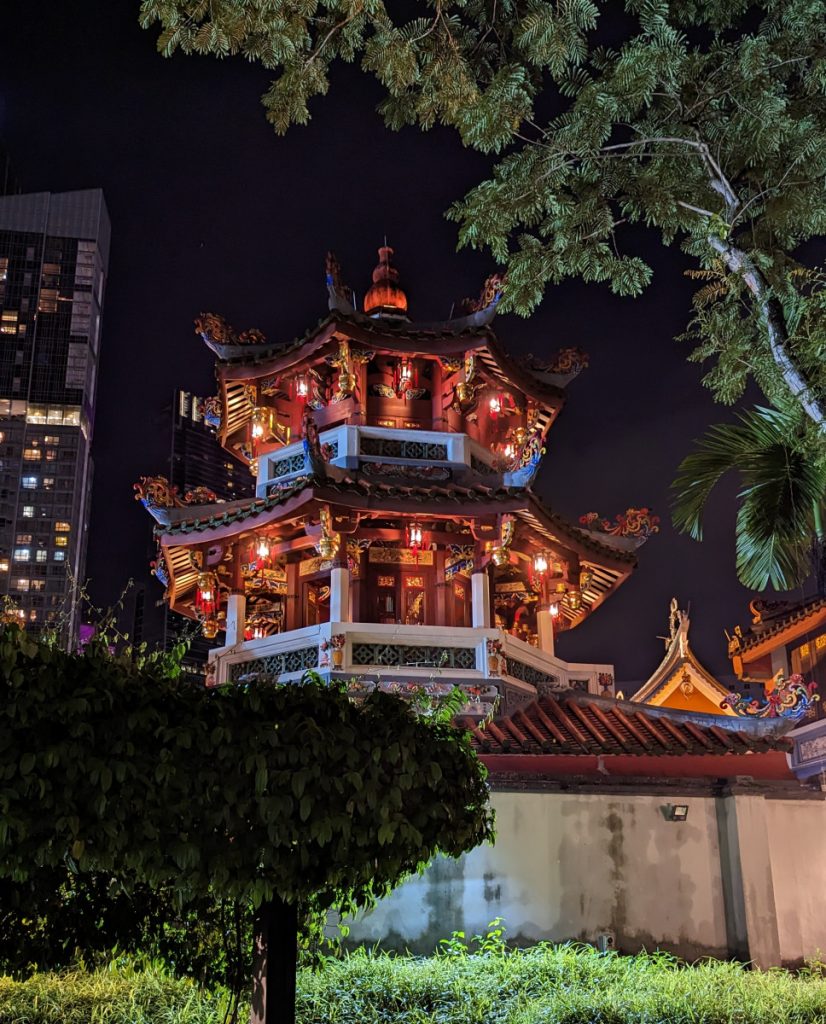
x: 212, y: 211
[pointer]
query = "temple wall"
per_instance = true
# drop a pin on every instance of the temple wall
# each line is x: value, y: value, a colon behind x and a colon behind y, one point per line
x: 734, y: 879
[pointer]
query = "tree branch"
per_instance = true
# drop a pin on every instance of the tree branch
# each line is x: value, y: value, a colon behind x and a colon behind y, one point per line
x: 740, y: 263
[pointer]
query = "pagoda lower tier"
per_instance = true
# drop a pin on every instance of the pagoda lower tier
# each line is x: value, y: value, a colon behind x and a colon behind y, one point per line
x: 392, y: 584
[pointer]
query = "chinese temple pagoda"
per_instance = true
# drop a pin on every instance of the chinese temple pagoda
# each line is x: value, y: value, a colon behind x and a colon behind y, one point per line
x: 394, y: 537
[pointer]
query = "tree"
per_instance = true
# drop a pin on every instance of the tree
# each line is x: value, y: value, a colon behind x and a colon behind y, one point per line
x: 782, y: 500
x: 706, y: 122
x: 288, y: 796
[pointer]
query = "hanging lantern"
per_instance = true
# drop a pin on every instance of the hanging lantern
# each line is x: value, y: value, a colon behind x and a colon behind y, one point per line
x: 553, y: 608
x: 495, y: 404
x: 302, y: 388
x: 509, y: 451
x: 574, y: 599
x: 209, y: 627
x: 262, y: 552
x: 540, y: 563
x: 260, y: 420
x: 404, y: 376
x: 414, y: 538
x: 206, y: 596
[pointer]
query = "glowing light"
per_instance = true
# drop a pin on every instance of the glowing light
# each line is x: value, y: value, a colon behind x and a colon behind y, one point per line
x: 302, y: 387
x: 262, y: 550
x: 554, y: 610
x: 495, y: 405
x: 260, y: 421
x: 509, y: 451
x: 540, y: 563
x: 414, y: 536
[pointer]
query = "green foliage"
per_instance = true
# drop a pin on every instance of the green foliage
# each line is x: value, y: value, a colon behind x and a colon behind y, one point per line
x: 783, y: 488
x: 241, y: 793
x: 706, y: 121
x: 541, y: 985
x: 56, y: 917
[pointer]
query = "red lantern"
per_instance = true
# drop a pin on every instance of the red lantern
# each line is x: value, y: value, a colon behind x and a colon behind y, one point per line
x: 302, y: 388
x: 414, y: 539
x: 496, y: 404
x: 404, y: 377
x: 206, y: 595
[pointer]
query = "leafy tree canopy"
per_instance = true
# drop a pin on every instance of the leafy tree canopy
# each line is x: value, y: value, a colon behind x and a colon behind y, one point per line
x: 706, y: 121
x: 252, y: 792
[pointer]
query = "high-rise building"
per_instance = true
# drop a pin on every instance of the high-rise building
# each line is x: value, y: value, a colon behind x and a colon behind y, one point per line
x: 54, y: 254
x: 198, y: 460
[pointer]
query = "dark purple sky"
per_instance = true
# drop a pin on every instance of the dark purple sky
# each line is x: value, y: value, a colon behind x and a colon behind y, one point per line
x: 211, y: 211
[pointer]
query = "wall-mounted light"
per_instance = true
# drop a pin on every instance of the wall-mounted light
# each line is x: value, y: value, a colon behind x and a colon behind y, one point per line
x: 676, y: 812
x: 553, y: 608
x: 302, y: 387
x: 495, y: 406
x: 540, y: 563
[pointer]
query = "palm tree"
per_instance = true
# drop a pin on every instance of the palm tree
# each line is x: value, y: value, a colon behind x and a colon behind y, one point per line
x: 781, y: 501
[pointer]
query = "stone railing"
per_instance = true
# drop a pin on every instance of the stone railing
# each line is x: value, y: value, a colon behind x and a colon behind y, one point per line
x: 396, y: 656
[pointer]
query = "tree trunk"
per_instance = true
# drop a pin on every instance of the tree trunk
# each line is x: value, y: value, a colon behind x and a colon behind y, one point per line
x: 274, y: 963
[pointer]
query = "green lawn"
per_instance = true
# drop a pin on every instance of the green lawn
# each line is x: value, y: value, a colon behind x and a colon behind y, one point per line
x: 542, y: 985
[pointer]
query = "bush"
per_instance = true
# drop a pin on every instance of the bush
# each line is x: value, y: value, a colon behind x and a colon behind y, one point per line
x: 543, y: 985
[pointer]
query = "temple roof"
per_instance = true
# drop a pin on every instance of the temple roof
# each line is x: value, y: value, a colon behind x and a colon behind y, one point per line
x: 608, y: 560
x: 778, y: 622
x: 575, y: 723
x: 681, y: 671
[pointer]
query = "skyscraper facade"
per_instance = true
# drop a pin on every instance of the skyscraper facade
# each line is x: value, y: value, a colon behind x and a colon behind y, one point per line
x: 54, y: 254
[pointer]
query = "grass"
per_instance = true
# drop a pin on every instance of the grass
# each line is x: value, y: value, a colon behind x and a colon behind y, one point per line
x: 542, y: 985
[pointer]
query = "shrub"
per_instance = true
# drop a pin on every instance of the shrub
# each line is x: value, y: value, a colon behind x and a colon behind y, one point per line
x: 545, y: 984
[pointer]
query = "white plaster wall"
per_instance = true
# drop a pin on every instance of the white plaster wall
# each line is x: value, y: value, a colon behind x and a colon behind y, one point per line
x: 571, y: 867
x: 797, y: 838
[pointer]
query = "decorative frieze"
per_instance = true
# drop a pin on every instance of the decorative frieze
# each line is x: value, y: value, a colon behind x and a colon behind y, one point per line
x: 413, y: 656
x: 272, y: 666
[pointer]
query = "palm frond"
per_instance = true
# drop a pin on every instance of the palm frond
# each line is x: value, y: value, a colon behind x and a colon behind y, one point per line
x: 781, y: 488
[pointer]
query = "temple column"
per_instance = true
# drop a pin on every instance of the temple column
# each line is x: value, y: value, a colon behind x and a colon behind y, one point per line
x: 480, y: 600
x: 236, y: 618
x: 545, y: 629
x: 340, y: 594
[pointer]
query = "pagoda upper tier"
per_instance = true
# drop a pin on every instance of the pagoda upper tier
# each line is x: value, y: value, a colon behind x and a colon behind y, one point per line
x: 378, y: 369
x: 393, y: 461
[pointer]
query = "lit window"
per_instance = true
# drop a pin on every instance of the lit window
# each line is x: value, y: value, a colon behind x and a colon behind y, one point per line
x: 51, y: 439
x: 32, y: 454
x: 28, y: 511
x: 2, y: 436
x: 51, y: 454
x: 40, y: 555
x: 32, y: 615
x: 47, y: 301
x: 21, y: 585
x: 23, y: 538
x: 4, y: 267
x: 8, y: 321
x: 48, y: 483
x: 29, y: 482
x: 59, y: 556
x: 62, y: 527
x: 61, y: 542
x: 4, y: 565
x: 22, y: 555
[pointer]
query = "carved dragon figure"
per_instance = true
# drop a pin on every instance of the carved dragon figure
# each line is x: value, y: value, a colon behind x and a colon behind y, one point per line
x: 489, y: 297
x: 566, y: 362
x: 340, y: 295
x: 215, y: 330
x: 790, y: 698
x: 635, y: 522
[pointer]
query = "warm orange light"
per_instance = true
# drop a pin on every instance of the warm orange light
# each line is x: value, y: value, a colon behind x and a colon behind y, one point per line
x: 554, y: 610
x: 302, y: 387
x: 495, y: 405
x: 263, y: 549
x: 540, y: 563
x: 414, y: 535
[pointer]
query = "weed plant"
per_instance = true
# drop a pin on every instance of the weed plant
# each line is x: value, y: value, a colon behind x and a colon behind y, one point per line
x: 465, y: 984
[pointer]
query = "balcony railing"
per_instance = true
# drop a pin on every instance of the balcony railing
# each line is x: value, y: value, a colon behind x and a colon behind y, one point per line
x: 394, y: 656
x: 351, y: 447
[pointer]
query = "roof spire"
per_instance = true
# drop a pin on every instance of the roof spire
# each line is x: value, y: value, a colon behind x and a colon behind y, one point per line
x: 385, y: 298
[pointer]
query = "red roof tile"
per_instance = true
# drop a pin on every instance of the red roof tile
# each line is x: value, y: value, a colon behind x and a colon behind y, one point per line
x: 576, y: 723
